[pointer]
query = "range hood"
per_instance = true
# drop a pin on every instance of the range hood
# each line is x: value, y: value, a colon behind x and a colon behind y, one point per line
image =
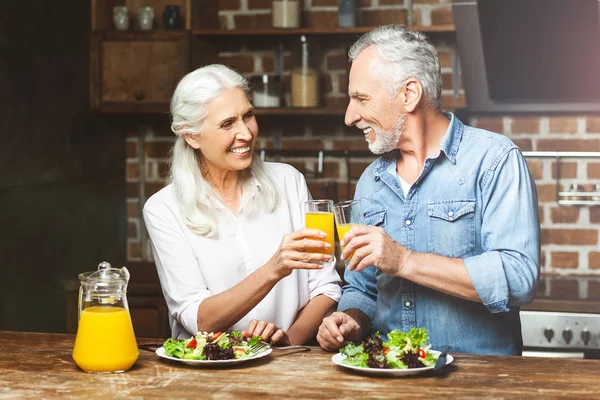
x: 529, y: 56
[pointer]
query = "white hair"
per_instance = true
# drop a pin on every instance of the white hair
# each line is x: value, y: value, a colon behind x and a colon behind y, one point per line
x: 197, y: 200
x: 403, y: 54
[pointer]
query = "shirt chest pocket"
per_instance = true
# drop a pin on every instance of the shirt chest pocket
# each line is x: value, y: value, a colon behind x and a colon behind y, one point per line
x: 452, y: 227
x: 375, y: 218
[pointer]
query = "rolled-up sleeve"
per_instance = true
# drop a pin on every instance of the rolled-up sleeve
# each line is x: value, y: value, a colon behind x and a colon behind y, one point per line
x: 325, y: 281
x: 507, y: 271
x: 360, y: 292
x: 182, y: 283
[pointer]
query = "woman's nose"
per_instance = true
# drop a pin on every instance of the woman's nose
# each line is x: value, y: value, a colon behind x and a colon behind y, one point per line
x: 244, y: 132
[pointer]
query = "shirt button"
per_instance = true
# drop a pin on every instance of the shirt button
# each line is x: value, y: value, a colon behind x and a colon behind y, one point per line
x: 407, y: 303
x: 408, y: 222
x: 450, y: 213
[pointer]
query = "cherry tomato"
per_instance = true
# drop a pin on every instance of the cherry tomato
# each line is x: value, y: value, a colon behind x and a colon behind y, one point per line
x: 216, y: 336
x: 386, y: 350
x: 422, y: 353
x: 192, y: 344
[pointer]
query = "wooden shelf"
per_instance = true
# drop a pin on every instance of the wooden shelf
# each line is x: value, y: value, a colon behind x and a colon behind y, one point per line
x: 143, y: 35
x: 311, y: 31
x: 299, y: 111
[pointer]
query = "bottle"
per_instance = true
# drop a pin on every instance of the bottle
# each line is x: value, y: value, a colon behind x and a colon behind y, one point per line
x: 596, y: 195
x: 172, y: 17
x: 347, y: 13
x: 146, y: 18
x: 121, y: 18
x: 574, y: 188
x: 267, y: 93
x: 305, y: 80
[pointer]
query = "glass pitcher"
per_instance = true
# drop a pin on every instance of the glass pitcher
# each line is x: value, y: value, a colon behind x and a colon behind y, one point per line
x: 105, y: 340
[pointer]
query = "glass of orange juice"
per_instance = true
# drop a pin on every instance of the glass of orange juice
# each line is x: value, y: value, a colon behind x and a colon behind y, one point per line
x: 318, y: 214
x: 105, y: 341
x: 348, y: 214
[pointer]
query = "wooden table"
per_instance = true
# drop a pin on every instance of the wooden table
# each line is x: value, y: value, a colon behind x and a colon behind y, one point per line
x: 39, y: 365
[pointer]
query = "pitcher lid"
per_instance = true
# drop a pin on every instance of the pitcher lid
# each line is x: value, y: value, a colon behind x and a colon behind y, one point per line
x: 106, y: 273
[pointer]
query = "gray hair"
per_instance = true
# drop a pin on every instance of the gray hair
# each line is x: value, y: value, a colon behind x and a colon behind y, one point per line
x: 404, y: 54
x: 196, y: 198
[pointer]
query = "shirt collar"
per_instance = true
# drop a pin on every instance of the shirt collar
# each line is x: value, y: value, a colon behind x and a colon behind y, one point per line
x: 449, y: 145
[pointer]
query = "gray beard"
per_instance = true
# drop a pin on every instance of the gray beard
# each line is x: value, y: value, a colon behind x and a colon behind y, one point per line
x: 386, y: 141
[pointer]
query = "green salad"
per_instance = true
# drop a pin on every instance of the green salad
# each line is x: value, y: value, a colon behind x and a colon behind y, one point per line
x: 211, y: 346
x: 402, y: 350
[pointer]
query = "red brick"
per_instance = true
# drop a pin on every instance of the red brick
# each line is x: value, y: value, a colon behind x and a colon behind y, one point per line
x: 541, y: 214
x: 565, y: 259
x: 442, y: 16
x: 131, y: 150
x: 133, y: 172
x: 132, y: 230
x: 593, y: 170
x: 350, y: 144
x: 445, y: 58
x: 594, y: 261
x: 449, y: 102
x: 567, y: 170
x: 564, y: 215
x: 536, y: 168
x: 325, y: 3
x: 132, y: 190
x: 592, y: 125
x: 230, y: 4
x: 302, y: 144
x: 158, y: 149
x: 223, y: 24
x: 382, y: 17
x: 252, y: 21
x: 421, y: 1
x: 134, y: 251
x: 357, y: 168
x: 133, y: 210
x: 523, y: 144
x: 163, y: 169
x: 343, y: 83
x: 260, y: 4
x: 326, y: 80
x: 331, y: 169
x: 595, y: 215
x: 563, y: 125
x: 568, y: 144
x: 337, y: 61
x: 364, y: 3
x: 564, y: 288
x: 546, y: 193
x: 153, y: 187
x: 580, y: 237
x: 345, y: 190
x: 525, y: 125
x: 543, y: 259
x: 493, y: 124
x: 320, y: 189
x: 320, y: 19
x: 243, y: 63
x: 336, y: 101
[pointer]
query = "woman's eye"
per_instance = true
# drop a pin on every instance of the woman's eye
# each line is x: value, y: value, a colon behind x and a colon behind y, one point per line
x: 249, y: 114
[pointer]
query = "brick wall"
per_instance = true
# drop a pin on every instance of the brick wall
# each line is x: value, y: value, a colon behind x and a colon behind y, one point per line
x: 570, y: 234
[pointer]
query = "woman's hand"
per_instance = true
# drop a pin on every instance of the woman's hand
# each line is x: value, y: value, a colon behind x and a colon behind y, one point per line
x: 269, y: 333
x: 298, y: 249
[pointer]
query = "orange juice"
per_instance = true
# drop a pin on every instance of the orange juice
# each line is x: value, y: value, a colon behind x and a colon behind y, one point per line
x: 322, y: 221
x: 105, y: 341
x: 341, y: 231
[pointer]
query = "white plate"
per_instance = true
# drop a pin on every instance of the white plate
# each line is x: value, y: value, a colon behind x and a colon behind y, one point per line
x: 213, y: 363
x: 338, y: 358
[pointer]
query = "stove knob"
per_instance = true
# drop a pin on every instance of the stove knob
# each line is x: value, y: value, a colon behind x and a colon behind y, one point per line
x: 548, y: 334
x: 567, y: 335
x: 586, y: 336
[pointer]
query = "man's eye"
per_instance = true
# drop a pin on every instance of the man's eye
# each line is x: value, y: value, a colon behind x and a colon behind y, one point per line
x: 226, y: 124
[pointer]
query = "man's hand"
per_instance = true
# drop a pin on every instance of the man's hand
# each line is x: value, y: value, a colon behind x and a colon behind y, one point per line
x: 372, y: 246
x: 336, y: 330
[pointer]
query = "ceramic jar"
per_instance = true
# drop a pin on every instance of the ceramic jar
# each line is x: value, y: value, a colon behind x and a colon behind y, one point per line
x: 121, y: 18
x: 146, y: 18
x: 172, y: 17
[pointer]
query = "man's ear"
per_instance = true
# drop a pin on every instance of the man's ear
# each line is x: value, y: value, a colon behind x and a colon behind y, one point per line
x: 410, y: 94
x: 191, y: 140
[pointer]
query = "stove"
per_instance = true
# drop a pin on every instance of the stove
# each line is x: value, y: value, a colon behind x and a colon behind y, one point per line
x: 564, y: 318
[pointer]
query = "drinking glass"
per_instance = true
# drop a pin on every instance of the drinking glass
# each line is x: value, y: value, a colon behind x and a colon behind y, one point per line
x: 348, y: 214
x: 319, y: 215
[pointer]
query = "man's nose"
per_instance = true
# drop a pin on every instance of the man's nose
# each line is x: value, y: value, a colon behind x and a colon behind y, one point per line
x: 351, y: 116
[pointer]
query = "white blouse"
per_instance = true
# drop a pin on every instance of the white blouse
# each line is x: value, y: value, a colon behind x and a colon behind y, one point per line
x: 192, y: 267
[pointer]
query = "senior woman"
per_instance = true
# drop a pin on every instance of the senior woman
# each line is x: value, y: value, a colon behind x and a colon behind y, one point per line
x: 227, y: 231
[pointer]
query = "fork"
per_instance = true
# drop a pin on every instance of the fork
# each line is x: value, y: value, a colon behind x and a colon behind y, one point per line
x: 257, y: 348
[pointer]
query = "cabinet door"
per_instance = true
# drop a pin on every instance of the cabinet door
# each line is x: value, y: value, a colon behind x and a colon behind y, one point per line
x: 135, y: 73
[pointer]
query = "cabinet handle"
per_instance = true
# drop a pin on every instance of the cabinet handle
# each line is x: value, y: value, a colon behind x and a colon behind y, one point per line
x: 139, y: 95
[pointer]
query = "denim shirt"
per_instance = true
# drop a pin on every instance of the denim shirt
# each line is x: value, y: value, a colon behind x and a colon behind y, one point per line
x: 475, y: 200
